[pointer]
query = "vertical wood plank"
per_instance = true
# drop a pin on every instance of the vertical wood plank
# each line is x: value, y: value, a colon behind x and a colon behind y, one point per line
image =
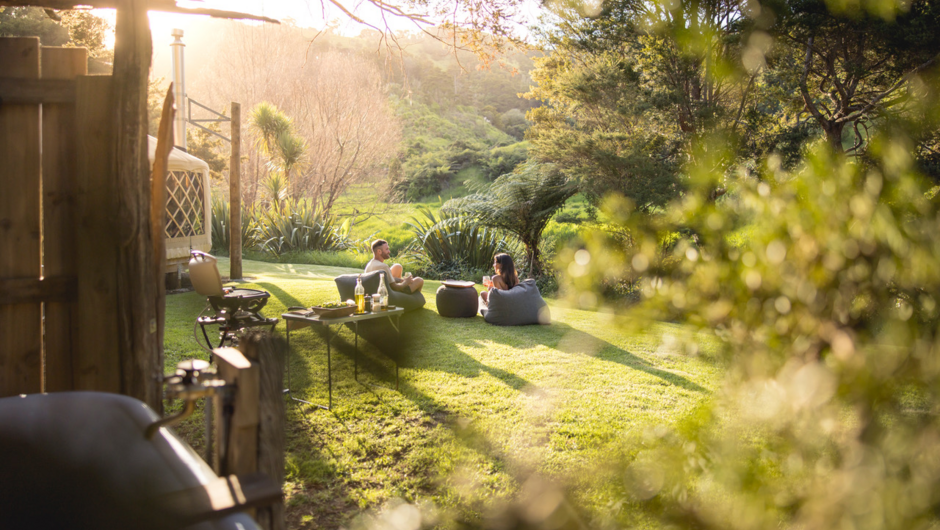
x: 235, y: 196
x: 20, y: 324
x: 241, y: 453
x: 140, y: 343
x: 270, y: 352
x: 58, y: 210
x: 158, y: 205
x: 96, y: 362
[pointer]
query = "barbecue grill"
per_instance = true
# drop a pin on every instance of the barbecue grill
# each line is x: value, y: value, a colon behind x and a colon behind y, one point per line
x: 233, y: 309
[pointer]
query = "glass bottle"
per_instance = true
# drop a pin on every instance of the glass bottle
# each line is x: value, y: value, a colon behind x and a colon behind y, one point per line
x: 360, y: 296
x: 382, y: 293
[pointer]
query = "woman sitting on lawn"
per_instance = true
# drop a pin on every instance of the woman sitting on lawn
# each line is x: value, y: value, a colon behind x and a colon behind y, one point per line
x: 505, y: 278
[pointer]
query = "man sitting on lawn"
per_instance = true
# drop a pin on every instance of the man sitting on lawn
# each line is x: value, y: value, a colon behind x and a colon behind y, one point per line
x: 380, y: 253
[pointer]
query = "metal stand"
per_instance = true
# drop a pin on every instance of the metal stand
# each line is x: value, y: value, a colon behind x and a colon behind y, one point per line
x: 235, y: 310
x: 356, y: 359
x: 329, y: 372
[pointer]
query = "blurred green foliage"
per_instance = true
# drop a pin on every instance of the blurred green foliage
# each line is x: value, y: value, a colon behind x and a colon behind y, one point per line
x: 828, y: 315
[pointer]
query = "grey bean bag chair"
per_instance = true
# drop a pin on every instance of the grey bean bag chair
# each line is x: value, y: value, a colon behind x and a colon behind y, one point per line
x: 346, y: 284
x: 519, y: 306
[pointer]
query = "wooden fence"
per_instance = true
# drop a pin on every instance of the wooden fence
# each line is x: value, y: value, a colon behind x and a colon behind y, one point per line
x: 73, y: 258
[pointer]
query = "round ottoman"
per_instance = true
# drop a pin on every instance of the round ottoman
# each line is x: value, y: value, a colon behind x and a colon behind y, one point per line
x: 457, y: 300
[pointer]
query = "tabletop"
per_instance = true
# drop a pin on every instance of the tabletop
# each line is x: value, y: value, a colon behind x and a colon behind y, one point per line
x: 295, y: 320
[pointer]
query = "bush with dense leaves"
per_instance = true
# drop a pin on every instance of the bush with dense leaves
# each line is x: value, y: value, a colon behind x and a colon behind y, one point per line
x: 453, y: 240
x: 828, y: 313
x: 295, y: 227
x: 221, y: 236
x: 502, y: 160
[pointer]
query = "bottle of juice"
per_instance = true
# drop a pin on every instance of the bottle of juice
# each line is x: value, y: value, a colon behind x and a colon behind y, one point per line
x: 360, y: 296
x: 382, y: 292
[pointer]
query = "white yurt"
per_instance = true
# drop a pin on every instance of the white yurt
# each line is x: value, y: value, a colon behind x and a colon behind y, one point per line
x: 188, y: 205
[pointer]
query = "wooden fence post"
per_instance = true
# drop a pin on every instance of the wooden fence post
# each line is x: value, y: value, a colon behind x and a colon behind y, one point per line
x: 241, y: 444
x: 58, y: 211
x: 270, y: 351
x: 20, y: 323
x: 235, y: 196
x: 256, y: 441
x: 141, y: 344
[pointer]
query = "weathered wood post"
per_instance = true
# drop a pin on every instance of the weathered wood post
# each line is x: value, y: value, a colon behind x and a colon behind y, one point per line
x: 235, y: 196
x: 238, y: 447
x: 271, y: 352
x: 141, y: 345
x: 96, y: 359
x: 255, y: 441
x: 158, y: 205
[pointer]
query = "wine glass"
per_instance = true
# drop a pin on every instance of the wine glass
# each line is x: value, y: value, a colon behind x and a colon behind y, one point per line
x: 487, y: 282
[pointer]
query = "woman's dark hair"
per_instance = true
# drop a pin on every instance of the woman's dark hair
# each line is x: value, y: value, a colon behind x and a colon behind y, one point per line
x: 507, y: 269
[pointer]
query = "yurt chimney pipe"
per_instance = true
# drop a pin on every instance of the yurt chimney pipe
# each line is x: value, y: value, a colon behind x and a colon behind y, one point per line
x: 179, y: 88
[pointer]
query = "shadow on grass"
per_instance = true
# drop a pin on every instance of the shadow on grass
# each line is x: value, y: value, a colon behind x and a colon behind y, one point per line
x: 567, y: 339
x: 316, y: 492
x: 283, y: 296
x: 399, y: 346
x: 362, y: 413
x: 559, y: 336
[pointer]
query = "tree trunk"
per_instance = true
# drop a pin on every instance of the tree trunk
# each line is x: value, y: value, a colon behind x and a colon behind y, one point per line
x: 534, y: 261
x: 834, y: 134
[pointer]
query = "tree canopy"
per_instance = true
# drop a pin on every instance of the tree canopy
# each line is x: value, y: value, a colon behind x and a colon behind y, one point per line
x: 855, y: 65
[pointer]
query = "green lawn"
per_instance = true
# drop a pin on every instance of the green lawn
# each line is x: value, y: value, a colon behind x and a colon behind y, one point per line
x: 480, y: 407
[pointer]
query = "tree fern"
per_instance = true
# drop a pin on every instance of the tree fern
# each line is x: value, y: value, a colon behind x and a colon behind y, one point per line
x: 521, y: 202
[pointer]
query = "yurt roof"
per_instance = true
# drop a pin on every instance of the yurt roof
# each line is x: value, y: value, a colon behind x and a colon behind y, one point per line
x: 179, y: 159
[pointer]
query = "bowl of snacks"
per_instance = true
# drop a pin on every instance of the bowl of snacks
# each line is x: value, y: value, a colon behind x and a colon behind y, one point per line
x: 333, y: 309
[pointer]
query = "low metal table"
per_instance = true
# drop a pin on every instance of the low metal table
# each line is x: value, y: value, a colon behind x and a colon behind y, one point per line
x: 296, y: 321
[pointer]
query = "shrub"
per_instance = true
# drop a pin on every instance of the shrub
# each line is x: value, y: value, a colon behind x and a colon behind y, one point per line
x: 514, y: 123
x: 547, y: 283
x: 462, y: 154
x: 422, y: 176
x: 297, y: 226
x: 449, y: 270
x: 521, y: 203
x: 221, y: 237
x: 502, y: 160
x: 455, y: 239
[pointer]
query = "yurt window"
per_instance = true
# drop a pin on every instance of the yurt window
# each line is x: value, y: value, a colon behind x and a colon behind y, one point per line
x: 185, y: 204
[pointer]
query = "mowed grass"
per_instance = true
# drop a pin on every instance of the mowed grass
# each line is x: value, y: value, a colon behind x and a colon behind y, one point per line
x: 480, y: 408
